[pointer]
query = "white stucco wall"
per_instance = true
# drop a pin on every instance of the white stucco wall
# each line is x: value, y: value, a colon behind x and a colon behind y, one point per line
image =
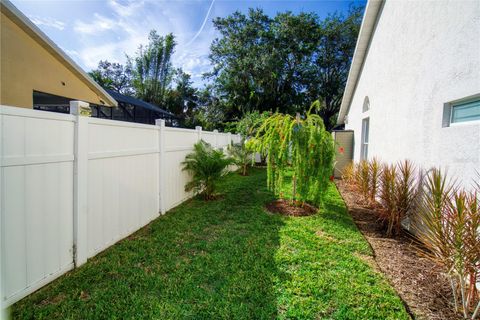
x: 423, y: 54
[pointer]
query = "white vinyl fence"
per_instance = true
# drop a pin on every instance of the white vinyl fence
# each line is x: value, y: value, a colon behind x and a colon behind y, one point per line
x: 71, y: 186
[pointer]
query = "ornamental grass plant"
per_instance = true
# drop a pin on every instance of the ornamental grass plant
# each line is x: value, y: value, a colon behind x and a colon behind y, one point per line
x: 448, y: 224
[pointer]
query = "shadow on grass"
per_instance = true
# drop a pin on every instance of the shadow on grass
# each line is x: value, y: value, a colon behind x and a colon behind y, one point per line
x: 227, y: 259
x: 202, y: 260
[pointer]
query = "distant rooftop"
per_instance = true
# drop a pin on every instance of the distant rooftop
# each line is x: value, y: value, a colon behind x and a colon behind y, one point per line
x: 137, y: 102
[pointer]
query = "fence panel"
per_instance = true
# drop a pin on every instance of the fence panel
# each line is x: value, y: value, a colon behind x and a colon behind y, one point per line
x: 123, y: 177
x: 129, y: 173
x: 210, y: 137
x: 178, y: 143
x: 36, y: 199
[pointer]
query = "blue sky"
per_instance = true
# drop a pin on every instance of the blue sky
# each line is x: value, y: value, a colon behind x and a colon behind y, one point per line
x: 89, y: 31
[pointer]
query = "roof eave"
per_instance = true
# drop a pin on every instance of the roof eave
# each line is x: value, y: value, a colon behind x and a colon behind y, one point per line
x: 28, y: 26
x: 367, y: 29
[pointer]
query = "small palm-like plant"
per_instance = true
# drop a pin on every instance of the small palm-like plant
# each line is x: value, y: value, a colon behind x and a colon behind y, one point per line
x: 242, y: 157
x: 206, y: 166
x: 406, y: 192
x: 448, y: 224
x: 398, y: 194
x: 388, y: 180
x: 364, y: 179
x: 375, y: 170
x: 348, y: 174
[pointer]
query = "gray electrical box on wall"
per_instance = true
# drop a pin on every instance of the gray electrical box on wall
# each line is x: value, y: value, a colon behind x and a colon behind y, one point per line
x: 343, y: 150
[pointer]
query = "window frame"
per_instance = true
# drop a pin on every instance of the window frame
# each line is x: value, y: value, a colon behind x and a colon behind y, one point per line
x: 365, y: 138
x: 448, y: 112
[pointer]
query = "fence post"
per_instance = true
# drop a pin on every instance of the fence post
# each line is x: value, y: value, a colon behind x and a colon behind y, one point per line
x: 161, y: 164
x: 199, y: 132
x: 229, y: 135
x: 216, y: 138
x: 80, y: 181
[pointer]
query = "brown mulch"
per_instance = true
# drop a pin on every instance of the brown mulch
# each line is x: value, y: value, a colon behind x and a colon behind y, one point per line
x: 286, y: 208
x: 419, y: 281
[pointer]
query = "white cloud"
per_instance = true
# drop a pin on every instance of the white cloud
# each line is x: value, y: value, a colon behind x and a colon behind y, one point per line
x: 125, y: 26
x: 48, y: 22
x: 100, y: 23
x: 125, y: 10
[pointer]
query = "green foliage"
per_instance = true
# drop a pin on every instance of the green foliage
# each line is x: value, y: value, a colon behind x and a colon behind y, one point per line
x: 209, y: 113
x: 282, y: 63
x: 206, y: 166
x: 241, y: 156
x: 248, y: 125
x: 300, y: 145
x: 227, y: 259
x: 448, y: 223
x: 113, y: 76
x: 152, y: 68
x: 182, y: 99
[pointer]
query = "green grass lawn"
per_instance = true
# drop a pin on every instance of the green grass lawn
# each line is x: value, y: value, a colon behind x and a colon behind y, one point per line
x: 227, y: 259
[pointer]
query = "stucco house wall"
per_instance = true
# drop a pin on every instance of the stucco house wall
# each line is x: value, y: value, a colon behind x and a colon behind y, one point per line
x: 422, y: 55
x: 30, y: 61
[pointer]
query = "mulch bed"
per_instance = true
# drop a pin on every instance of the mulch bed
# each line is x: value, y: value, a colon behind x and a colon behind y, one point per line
x: 286, y: 208
x: 419, y: 282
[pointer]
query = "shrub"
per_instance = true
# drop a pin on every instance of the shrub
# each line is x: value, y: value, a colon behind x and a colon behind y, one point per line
x: 398, y: 193
x: 406, y: 192
x: 241, y: 156
x: 299, y: 145
x: 207, y: 166
x: 448, y: 223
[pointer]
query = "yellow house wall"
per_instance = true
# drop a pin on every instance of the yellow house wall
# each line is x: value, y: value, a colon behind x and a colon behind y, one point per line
x: 27, y: 66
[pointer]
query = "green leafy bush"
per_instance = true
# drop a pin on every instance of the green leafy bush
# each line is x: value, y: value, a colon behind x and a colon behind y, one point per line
x: 207, y: 166
x: 300, y: 145
x: 248, y: 125
x: 241, y: 156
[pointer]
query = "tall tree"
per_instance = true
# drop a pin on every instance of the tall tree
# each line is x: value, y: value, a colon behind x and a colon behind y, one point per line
x: 152, y: 68
x: 114, y: 76
x: 282, y: 63
x: 182, y: 99
x: 338, y: 36
x: 259, y: 61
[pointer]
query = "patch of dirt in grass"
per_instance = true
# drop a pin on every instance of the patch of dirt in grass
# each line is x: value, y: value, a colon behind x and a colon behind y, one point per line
x: 56, y: 299
x: 84, y: 296
x: 286, y: 208
x: 418, y: 281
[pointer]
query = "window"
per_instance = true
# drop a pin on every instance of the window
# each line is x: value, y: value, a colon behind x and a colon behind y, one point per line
x: 366, y: 104
x: 364, y: 144
x: 50, y: 102
x: 465, y: 111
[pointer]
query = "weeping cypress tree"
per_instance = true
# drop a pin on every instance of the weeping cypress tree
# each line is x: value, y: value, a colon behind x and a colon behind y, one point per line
x: 300, y: 145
